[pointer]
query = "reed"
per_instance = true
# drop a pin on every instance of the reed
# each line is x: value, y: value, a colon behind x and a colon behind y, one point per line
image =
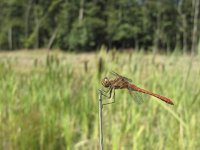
x: 55, y: 106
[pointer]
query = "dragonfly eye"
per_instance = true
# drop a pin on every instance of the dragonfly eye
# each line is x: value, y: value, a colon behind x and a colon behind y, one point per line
x: 105, y: 82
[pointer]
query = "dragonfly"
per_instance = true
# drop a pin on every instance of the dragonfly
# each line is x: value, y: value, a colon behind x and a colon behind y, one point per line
x: 121, y: 82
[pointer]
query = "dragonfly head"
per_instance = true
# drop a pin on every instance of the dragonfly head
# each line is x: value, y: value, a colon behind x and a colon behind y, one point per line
x: 105, y: 82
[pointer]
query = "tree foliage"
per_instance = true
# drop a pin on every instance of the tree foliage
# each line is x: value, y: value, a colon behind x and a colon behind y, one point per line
x: 89, y: 24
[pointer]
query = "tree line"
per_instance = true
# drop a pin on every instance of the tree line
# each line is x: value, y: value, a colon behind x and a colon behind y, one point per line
x: 89, y: 24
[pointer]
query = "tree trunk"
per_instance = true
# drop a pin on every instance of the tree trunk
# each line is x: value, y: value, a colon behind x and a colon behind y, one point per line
x: 178, y: 42
x: 194, y: 34
x: 81, y: 10
x: 52, y: 39
x: 37, y: 27
x: 10, y: 39
x: 157, y: 31
x: 136, y: 42
x: 184, y: 25
x: 168, y: 46
x: 39, y: 19
x: 156, y: 37
x: 185, y: 46
x: 27, y: 18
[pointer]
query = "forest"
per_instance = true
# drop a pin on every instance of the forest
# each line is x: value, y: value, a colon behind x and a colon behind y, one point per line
x: 86, y: 25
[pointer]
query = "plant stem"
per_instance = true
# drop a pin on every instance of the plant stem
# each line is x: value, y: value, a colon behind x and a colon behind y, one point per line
x: 100, y: 121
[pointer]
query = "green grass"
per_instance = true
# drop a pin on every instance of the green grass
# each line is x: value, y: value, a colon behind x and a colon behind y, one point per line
x: 54, y: 103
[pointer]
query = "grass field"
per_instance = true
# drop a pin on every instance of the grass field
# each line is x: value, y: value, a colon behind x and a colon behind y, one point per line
x: 50, y: 102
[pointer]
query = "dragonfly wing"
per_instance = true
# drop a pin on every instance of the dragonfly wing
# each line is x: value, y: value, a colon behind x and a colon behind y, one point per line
x: 116, y: 74
x: 137, y: 97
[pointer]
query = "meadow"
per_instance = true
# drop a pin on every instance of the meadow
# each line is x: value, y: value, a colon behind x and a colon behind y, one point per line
x: 49, y: 101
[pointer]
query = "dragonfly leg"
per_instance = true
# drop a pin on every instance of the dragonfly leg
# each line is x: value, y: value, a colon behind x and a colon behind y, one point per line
x: 112, y: 97
x: 110, y: 93
x: 105, y: 93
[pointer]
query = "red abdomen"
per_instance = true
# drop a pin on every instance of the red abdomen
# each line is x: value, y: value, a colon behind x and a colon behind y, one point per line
x: 165, y: 99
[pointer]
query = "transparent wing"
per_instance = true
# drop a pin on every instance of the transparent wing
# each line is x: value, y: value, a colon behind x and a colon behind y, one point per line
x: 116, y: 74
x: 136, y: 96
x: 139, y: 97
